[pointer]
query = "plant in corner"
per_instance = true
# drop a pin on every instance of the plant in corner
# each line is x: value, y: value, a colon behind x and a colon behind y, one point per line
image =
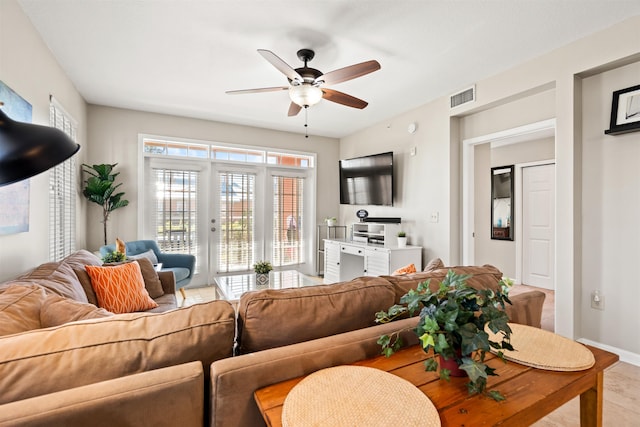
x: 402, y: 234
x: 452, y: 322
x: 100, y: 188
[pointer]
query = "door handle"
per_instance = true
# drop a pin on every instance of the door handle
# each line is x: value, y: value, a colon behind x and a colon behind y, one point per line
x: 213, y: 229
x: 213, y: 221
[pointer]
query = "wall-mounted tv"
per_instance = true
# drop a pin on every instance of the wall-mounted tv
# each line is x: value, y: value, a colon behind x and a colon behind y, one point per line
x: 367, y: 180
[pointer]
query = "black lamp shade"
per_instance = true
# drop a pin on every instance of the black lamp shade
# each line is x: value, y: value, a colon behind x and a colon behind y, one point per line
x: 27, y: 149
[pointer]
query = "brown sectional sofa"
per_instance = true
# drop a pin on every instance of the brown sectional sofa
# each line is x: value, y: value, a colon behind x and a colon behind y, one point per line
x: 176, y: 367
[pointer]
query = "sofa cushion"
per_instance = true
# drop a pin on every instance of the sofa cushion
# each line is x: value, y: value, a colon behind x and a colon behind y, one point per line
x: 162, y: 397
x: 180, y: 273
x: 120, y: 288
x: 484, y: 277
x: 85, y: 282
x: 434, y: 264
x: 275, y: 317
x: 59, y: 277
x: 150, y: 255
x: 20, y: 308
x: 57, y: 310
x: 78, y: 353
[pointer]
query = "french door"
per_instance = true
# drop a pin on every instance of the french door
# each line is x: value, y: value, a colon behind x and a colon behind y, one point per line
x: 236, y: 227
x: 228, y: 212
x: 258, y: 215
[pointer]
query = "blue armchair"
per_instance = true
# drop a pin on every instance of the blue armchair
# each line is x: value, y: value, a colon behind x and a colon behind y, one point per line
x: 182, y: 265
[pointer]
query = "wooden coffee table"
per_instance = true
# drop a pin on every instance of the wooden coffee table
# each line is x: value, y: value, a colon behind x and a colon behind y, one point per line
x: 530, y: 393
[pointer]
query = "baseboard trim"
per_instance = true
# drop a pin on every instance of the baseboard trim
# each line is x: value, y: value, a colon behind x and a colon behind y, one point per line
x: 625, y: 356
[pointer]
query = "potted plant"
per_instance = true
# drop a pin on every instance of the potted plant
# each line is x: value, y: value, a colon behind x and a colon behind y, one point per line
x: 402, y: 239
x: 100, y: 188
x: 262, y: 269
x: 115, y: 256
x: 452, y: 323
x: 331, y: 221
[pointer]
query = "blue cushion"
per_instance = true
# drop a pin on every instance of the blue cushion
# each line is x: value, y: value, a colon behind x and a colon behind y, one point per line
x: 180, y: 272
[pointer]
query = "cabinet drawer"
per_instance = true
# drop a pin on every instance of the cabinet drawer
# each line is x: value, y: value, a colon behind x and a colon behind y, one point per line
x: 353, y: 250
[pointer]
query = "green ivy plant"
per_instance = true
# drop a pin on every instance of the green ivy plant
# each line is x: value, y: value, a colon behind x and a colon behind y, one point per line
x: 452, y: 323
x: 262, y: 267
x: 100, y: 188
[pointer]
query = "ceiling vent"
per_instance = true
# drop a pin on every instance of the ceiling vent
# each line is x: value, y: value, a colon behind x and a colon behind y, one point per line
x: 463, y: 97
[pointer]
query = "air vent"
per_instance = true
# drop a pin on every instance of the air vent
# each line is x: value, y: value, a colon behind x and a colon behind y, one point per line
x: 463, y: 97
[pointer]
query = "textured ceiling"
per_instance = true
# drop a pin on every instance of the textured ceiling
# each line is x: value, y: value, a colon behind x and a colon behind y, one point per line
x: 180, y: 56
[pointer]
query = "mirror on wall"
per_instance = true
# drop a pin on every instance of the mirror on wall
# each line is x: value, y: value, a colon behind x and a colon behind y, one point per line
x: 502, y: 203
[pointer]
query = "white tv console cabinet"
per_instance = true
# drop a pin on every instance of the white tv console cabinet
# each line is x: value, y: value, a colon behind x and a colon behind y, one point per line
x: 346, y: 259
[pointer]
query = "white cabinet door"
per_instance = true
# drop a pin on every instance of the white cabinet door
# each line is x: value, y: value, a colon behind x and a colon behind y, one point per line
x: 331, y: 262
x: 376, y: 262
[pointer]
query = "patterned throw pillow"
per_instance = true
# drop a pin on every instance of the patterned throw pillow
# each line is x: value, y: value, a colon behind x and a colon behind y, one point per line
x: 411, y: 268
x: 120, y: 289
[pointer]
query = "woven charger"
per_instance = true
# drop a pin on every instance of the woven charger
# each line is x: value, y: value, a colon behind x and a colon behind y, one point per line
x: 545, y: 350
x: 357, y: 396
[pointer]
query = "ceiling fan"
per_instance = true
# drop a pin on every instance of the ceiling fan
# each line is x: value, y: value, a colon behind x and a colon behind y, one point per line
x: 307, y: 85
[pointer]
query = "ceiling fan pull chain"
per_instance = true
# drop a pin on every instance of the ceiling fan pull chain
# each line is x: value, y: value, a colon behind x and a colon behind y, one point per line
x: 306, y: 116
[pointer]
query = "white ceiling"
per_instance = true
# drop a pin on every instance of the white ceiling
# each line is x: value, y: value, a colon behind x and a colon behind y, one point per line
x: 180, y: 56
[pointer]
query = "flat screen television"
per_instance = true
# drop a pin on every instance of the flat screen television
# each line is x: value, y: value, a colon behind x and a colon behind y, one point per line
x: 367, y: 180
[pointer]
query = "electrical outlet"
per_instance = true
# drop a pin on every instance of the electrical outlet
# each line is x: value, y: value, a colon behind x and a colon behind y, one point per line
x: 435, y: 216
x: 597, y: 300
x: 414, y: 150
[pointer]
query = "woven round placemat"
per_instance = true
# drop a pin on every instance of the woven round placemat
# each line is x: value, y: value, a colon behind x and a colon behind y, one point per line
x: 357, y: 396
x: 545, y: 350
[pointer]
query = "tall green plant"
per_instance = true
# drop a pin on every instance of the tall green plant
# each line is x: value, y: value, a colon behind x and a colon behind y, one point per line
x: 100, y: 189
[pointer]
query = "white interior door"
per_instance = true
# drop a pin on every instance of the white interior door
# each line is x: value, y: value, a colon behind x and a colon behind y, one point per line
x: 538, y: 226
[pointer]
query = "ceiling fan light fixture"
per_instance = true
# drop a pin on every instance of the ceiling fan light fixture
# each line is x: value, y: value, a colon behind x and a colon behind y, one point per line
x: 305, y: 95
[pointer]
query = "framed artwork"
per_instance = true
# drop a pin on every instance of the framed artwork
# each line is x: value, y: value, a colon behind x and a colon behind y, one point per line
x: 625, y: 111
x: 14, y: 198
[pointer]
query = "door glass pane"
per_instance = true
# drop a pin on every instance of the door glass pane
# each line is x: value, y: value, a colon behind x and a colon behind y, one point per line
x: 288, y: 221
x: 176, y: 218
x: 236, y: 249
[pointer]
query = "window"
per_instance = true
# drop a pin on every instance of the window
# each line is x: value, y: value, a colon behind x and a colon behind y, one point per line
x: 236, y: 247
x: 288, y: 240
x: 62, y: 192
x: 176, y: 216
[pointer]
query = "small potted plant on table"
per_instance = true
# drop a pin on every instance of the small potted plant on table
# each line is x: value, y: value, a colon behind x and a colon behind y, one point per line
x: 452, y: 323
x: 262, y: 269
x: 402, y: 239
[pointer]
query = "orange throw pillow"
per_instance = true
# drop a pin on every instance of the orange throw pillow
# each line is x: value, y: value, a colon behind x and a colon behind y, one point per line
x: 411, y: 268
x: 120, y: 289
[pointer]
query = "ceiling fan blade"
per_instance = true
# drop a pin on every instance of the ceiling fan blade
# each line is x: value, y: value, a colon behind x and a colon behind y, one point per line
x: 351, y: 72
x: 294, y: 109
x: 282, y: 66
x: 343, y: 98
x: 262, y: 89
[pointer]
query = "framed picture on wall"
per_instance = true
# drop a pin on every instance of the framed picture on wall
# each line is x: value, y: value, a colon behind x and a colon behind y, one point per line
x: 625, y: 111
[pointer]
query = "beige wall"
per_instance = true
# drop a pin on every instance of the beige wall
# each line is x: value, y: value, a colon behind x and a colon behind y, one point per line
x: 611, y: 212
x: 27, y: 67
x: 422, y: 182
x: 557, y: 74
x: 113, y: 138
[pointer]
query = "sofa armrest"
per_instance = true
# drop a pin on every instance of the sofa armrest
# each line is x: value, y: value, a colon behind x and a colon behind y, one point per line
x: 168, y: 281
x: 234, y: 380
x: 526, y: 308
x: 130, y: 400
